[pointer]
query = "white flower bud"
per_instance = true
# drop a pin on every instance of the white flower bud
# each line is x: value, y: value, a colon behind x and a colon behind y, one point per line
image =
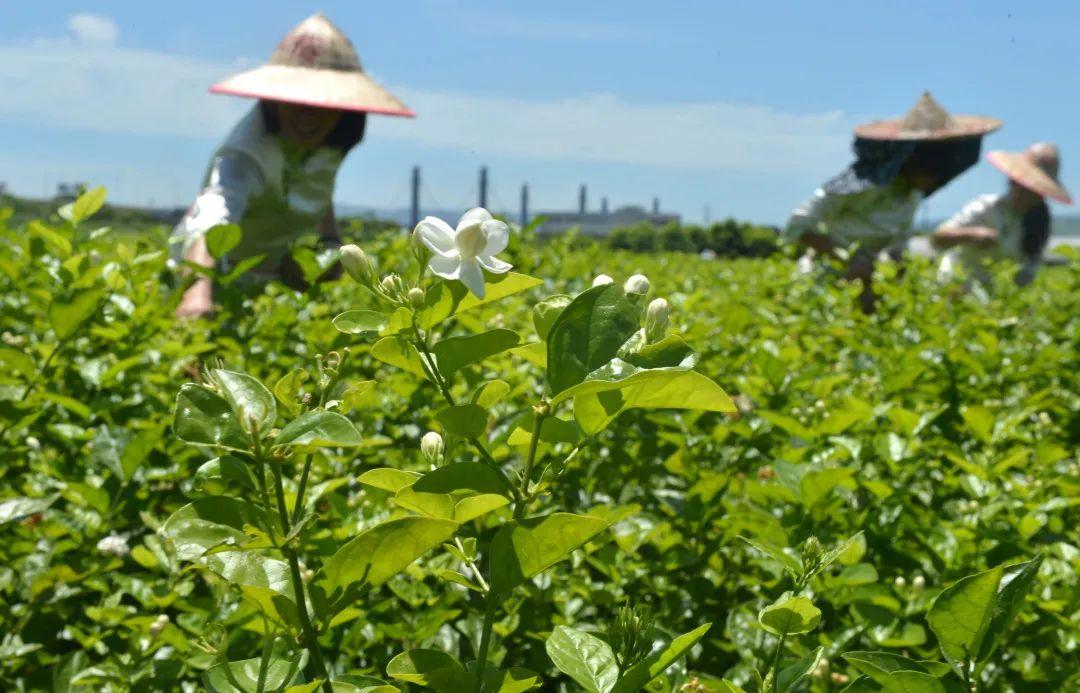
x: 918, y: 583
x: 114, y: 545
x: 33, y: 443
x: 637, y: 284
x: 159, y: 624
x: 899, y: 583
x: 839, y: 679
x: 432, y: 446
x: 416, y: 297
x: 391, y: 284
x: 822, y: 668
x: 356, y: 263
x: 602, y: 280
x: 656, y: 319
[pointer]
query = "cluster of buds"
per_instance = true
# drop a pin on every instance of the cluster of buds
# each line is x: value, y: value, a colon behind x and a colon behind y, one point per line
x: 630, y: 634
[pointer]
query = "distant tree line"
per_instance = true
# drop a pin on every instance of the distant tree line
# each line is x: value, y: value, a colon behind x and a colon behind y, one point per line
x: 728, y: 238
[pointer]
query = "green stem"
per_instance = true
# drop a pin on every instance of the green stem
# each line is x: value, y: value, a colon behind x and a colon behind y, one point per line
x: 776, y: 661
x: 311, y: 637
x: 264, y: 661
x: 523, y: 493
x: 301, y: 488
x: 485, y: 640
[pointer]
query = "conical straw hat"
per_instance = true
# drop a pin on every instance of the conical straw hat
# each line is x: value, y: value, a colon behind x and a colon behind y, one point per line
x: 1036, y: 169
x: 927, y: 120
x: 315, y: 65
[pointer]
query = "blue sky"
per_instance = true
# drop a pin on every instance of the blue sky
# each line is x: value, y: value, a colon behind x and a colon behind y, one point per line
x: 740, y: 107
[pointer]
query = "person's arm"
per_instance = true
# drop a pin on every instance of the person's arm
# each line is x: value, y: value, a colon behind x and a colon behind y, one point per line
x: 805, y: 225
x: 973, y: 225
x: 198, y: 299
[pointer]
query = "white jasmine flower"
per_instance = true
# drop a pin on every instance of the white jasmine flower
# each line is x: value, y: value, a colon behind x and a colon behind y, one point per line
x: 656, y: 319
x: 114, y: 545
x: 463, y: 253
x: 637, y: 284
x: 602, y: 280
x: 159, y: 624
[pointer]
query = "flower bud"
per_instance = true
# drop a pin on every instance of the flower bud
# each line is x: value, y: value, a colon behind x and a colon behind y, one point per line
x: 159, y: 624
x: 899, y: 583
x: 356, y: 263
x: 918, y: 583
x: 656, y: 319
x: 637, y: 284
x: 602, y: 280
x: 393, y: 287
x: 416, y: 297
x: 838, y: 678
x: 432, y: 446
x: 113, y: 545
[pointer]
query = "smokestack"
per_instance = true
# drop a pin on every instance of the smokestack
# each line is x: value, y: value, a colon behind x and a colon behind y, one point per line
x: 603, y: 205
x: 656, y: 205
x: 524, y: 205
x: 415, y: 215
x: 581, y: 199
x: 483, y: 187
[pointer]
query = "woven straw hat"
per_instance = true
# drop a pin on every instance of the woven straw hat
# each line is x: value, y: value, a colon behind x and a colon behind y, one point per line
x: 927, y: 120
x: 1036, y: 169
x: 315, y: 65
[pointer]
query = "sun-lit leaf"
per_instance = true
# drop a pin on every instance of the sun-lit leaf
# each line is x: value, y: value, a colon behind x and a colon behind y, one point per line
x: 319, y: 429
x: 202, y: 417
x: 524, y: 548
x: 635, y: 678
x: 588, y: 333
x: 583, y: 657
x: 222, y: 238
x: 790, y: 615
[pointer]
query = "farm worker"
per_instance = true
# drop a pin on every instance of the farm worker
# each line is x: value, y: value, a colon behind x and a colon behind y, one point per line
x: 1014, y: 224
x: 274, y: 173
x: 868, y: 210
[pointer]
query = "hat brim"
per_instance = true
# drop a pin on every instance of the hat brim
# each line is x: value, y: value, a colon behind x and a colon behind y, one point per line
x: 338, y: 89
x: 1021, y: 170
x: 963, y: 126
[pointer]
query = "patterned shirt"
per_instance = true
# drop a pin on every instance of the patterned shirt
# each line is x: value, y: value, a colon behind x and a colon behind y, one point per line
x: 995, y: 212
x: 253, y: 182
x: 875, y: 218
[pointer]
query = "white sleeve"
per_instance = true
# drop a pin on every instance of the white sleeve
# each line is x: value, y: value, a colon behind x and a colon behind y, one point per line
x: 977, y: 212
x: 233, y: 179
x: 807, y: 216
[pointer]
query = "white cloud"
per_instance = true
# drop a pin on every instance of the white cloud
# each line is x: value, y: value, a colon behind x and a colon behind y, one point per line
x: 93, y: 29
x: 99, y: 87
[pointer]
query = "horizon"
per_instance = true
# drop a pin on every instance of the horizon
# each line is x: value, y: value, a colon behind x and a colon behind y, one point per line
x: 689, y: 106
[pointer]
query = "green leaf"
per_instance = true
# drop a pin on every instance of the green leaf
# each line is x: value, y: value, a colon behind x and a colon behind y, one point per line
x: 447, y: 298
x: 454, y: 353
x: 222, y: 238
x: 669, y: 352
x: 398, y: 352
x: 465, y: 420
x: 87, y: 204
x: 12, y: 361
x: 221, y: 473
x: 249, y: 399
x: 209, y: 523
x: 360, y: 322
x: 602, y: 397
x: 553, y: 430
x: 319, y: 429
x: 388, y: 479
x: 652, y: 666
x: 1015, y: 584
x: 583, y: 657
x: 961, y: 614
x: 787, y: 557
x: 67, y: 316
x: 792, y: 674
x: 491, y: 393
x: 545, y: 312
x: 431, y: 668
x: 524, y: 548
x: 201, y: 417
x: 587, y: 334
x: 246, y: 673
x: 249, y: 569
x: 459, y: 492
x: 790, y: 615
x: 13, y: 509
x: 895, y: 673
x: 383, y: 551
x: 287, y: 390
